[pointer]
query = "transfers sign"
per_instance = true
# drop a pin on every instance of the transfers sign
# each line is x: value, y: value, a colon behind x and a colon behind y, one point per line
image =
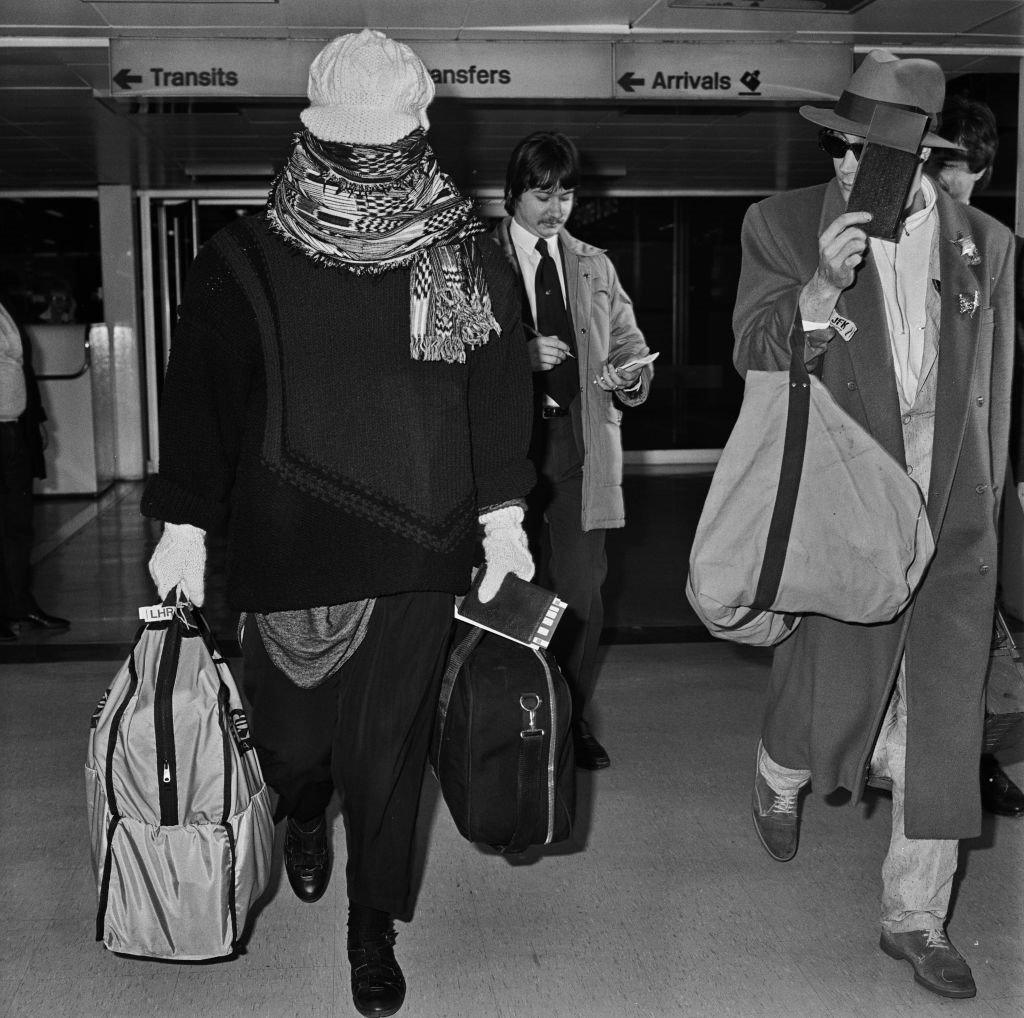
x: 278, y: 68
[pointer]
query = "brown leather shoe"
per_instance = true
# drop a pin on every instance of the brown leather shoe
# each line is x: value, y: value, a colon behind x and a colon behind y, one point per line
x: 938, y: 965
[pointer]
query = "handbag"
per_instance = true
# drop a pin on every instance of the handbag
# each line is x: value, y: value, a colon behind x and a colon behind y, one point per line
x: 179, y: 814
x: 806, y: 513
x: 502, y: 749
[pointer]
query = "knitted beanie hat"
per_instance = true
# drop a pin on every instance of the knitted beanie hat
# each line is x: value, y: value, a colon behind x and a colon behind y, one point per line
x: 367, y: 89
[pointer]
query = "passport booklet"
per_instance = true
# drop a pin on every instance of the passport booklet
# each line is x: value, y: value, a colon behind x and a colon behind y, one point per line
x: 519, y: 611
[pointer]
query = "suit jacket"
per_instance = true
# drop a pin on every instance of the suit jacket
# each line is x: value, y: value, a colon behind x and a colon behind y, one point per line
x: 604, y: 325
x: 831, y: 681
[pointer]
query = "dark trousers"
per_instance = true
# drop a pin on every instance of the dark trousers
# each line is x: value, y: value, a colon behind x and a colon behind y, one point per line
x: 365, y: 731
x: 16, y: 533
x: 570, y: 561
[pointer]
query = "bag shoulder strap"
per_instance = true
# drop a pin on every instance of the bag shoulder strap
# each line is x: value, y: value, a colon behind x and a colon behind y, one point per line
x: 790, y: 471
x: 530, y: 791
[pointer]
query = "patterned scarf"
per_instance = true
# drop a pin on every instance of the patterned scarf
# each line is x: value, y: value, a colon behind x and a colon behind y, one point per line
x: 372, y: 208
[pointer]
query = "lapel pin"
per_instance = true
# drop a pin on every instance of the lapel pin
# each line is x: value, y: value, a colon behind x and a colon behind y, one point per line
x: 968, y: 249
x: 969, y: 303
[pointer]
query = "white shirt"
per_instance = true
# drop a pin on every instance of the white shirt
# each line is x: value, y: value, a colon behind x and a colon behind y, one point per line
x: 525, y: 245
x: 904, y: 268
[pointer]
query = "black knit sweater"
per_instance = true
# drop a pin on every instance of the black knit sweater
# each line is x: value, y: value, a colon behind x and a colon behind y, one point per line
x: 293, y: 414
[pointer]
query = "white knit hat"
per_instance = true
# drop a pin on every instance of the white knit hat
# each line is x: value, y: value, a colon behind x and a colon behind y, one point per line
x: 367, y: 89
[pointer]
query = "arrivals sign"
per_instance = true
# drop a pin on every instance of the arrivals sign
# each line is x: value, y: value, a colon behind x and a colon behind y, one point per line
x: 515, y: 69
x: 678, y: 72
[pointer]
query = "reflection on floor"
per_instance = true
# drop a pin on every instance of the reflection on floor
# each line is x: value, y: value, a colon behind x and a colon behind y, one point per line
x: 664, y: 905
x: 91, y: 568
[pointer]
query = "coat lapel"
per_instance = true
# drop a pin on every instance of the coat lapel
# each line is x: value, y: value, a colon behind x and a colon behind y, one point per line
x: 868, y: 351
x: 958, y: 346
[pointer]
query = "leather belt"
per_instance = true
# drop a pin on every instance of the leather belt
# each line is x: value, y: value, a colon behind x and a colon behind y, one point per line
x: 548, y: 412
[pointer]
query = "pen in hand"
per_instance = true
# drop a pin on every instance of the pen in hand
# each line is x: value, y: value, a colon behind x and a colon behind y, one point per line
x: 534, y: 334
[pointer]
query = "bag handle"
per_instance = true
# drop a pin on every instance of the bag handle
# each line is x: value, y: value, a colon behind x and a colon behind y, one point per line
x: 790, y: 471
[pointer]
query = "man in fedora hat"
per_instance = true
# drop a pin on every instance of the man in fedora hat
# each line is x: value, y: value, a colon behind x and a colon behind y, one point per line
x: 348, y: 395
x: 914, y: 339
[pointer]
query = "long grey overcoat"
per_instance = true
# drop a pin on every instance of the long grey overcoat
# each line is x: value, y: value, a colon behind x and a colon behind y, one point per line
x: 831, y: 681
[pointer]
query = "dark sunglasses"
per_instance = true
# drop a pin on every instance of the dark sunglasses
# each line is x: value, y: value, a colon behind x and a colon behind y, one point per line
x: 836, y: 146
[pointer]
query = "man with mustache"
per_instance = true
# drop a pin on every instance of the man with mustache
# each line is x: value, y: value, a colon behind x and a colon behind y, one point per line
x: 586, y: 352
x: 914, y: 339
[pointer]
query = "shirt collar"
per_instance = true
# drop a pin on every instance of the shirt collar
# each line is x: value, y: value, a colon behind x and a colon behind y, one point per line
x: 918, y: 219
x: 527, y: 242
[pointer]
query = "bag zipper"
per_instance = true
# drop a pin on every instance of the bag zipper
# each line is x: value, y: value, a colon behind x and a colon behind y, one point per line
x: 551, y: 747
x: 163, y: 711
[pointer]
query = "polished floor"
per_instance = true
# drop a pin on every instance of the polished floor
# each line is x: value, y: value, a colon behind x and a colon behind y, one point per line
x: 664, y: 904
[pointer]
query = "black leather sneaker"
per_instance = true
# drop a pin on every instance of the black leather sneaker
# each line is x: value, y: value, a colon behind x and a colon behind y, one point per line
x: 378, y: 986
x: 307, y: 858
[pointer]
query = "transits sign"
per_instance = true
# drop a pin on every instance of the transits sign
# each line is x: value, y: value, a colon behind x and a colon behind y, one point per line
x: 278, y: 68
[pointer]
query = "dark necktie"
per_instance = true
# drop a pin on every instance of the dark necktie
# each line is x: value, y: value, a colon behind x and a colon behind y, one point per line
x: 561, y: 383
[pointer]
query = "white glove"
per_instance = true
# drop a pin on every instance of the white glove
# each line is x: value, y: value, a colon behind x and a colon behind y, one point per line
x: 506, y: 549
x: 180, y: 561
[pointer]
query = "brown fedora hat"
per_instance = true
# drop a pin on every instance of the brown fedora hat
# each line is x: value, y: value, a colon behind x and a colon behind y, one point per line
x: 885, y: 80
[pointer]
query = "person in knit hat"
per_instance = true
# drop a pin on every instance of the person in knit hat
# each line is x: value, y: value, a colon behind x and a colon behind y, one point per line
x: 913, y: 337
x: 348, y: 396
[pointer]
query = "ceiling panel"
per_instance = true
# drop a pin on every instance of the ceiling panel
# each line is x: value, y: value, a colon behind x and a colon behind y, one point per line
x: 55, y: 132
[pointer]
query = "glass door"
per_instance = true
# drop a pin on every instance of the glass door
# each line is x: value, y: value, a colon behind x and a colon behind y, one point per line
x: 174, y: 228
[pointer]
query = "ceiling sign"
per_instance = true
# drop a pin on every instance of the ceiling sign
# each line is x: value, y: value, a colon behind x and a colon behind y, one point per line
x: 699, y: 72
x: 679, y: 72
x: 278, y: 68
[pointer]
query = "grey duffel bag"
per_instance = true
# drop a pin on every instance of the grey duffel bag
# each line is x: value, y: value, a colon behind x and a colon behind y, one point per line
x: 179, y: 814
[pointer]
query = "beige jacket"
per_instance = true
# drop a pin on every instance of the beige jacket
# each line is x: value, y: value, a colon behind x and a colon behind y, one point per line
x: 604, y: 324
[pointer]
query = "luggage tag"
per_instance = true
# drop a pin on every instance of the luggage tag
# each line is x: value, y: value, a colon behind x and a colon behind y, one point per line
x: 157, y: 613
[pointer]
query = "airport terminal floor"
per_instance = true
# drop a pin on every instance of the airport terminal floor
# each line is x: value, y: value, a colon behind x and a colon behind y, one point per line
x: 664, y: 904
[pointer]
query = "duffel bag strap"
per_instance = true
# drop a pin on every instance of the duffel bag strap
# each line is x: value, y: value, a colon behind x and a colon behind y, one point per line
x: 456, y: 660
x: 529, y: 797
x: 790, y: 471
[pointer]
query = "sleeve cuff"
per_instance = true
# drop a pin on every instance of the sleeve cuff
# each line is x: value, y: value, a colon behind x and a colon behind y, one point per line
x: 167, y: 501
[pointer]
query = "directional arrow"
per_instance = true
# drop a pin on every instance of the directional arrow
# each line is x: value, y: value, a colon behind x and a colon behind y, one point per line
x: 124, y: 78
x: 629, y: 81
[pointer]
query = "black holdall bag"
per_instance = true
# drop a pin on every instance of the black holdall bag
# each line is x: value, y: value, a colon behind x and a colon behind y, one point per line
x: 502, y: 748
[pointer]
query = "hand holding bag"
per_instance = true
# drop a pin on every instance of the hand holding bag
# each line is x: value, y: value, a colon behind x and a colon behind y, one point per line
x: 806, y: 514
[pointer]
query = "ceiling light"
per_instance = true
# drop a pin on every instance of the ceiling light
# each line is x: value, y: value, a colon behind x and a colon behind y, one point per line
x: 229, y: 169
x: 803, y: 6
